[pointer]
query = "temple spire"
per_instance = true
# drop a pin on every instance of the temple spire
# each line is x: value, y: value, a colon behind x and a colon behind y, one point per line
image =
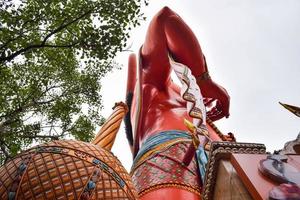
x: 294, y: 109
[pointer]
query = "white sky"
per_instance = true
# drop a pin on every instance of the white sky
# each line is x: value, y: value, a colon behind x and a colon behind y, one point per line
x: 252, y: 49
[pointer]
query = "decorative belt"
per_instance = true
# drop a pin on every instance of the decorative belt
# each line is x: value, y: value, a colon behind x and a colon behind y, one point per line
x: 162, y: 141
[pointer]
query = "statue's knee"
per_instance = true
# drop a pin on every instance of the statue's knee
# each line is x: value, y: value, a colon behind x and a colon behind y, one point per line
x: 164, y: 13
x: 165, y: 10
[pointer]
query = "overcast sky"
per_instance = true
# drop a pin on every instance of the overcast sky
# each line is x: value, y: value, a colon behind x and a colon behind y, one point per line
x: 252, y: 49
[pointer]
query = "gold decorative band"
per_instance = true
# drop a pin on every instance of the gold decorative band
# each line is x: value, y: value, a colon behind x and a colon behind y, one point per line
x: 171, y: 185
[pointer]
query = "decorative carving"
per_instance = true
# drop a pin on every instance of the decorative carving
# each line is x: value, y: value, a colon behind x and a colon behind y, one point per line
x: 68, y: 169
x: 82, y: 155
x: 285, y: 191
x: 223, y: 150
x: 291, y: 147
x: 277, y: 169
x: 20, y: 171
x: 91, y: 185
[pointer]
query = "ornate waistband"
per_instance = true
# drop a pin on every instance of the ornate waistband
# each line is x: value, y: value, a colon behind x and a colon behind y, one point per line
x: 157, y: 143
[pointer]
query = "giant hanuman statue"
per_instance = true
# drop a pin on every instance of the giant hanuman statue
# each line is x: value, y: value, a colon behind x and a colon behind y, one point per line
x: 167, y: 125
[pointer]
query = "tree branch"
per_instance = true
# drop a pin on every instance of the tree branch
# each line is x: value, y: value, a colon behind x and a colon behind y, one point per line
x: 61, y: 46
x: 21, y: 34
x: 3, y: 149
x: 43, y: 43
x: 9, y: 41
x: 52, y: 137
x: 27, y: 103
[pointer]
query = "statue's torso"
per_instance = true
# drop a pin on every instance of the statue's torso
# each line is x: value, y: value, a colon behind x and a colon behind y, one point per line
x: 162, y: 110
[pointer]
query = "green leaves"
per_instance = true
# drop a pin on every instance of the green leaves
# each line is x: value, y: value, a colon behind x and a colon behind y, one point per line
x: 53, y: 55
x: 83, y: 129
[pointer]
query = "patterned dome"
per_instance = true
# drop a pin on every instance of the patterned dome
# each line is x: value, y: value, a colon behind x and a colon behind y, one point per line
x: 65, y: 169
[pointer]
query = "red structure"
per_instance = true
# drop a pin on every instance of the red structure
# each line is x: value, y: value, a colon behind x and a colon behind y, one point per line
x: 158, y: 111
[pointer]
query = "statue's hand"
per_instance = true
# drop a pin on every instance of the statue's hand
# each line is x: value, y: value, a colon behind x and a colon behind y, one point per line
x: 211, y: 91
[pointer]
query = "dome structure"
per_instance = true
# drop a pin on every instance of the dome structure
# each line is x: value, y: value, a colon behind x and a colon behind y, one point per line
x: 65, y: 169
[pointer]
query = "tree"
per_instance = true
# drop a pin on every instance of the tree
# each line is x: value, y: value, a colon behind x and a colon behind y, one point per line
x: 52, y: 57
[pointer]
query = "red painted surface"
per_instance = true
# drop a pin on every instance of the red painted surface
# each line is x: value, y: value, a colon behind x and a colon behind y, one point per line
x: 162, y: 107
x: 170, y: 193
x: 258, y: 185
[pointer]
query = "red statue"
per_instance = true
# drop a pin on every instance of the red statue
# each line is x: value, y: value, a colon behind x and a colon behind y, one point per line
x: 160, y: 139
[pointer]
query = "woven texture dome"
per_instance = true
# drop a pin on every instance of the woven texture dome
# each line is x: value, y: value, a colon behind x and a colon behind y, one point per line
x: 65, y: 170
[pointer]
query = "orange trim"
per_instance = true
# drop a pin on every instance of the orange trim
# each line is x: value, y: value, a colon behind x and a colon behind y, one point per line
x: 184, y: 188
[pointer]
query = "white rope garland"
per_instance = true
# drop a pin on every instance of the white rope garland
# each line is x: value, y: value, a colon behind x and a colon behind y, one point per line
x: 191, y: 92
